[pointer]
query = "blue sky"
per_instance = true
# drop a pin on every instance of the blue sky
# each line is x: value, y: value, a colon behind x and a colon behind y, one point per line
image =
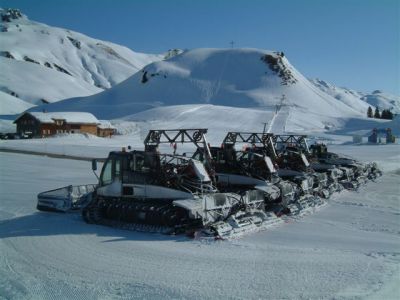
x: 351, y: 43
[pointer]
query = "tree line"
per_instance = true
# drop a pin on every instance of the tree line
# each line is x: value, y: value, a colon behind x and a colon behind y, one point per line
x: 385, y: 114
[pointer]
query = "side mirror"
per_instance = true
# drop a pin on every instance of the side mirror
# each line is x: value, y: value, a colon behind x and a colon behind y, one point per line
x: 94, y: 164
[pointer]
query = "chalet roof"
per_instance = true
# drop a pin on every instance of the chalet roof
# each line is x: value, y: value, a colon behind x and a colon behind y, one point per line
x: 68, y: 117
x: 104, y: 124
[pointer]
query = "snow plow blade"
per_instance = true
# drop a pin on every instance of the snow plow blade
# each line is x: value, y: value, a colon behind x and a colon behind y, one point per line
x: 230, y: 216
x: 66, y: 198
x: 242, y: 224
x: 306, y: 204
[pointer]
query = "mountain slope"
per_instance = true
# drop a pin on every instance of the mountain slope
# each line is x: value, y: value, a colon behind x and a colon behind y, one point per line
x: 347, y: 96
x: 229, y: 77
x: 59, y: 63
x: 350, y: 97
x: 12, y: 105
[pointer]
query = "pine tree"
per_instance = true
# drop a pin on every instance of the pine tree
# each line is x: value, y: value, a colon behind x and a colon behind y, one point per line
x: 377, y: 114
x: 369, y: 112
x: 387, y: 114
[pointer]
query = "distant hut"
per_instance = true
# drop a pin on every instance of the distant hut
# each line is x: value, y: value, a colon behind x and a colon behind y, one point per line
x: 380, y: 135
x: 105, y: 129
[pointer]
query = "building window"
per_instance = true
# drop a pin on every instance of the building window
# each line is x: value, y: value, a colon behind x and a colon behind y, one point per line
x: 59, y: 122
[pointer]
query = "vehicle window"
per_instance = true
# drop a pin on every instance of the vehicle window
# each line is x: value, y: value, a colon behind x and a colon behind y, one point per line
x: 198, y: 155
x: 106, y: 175
x: 139, y: 163
x: 117, y: 168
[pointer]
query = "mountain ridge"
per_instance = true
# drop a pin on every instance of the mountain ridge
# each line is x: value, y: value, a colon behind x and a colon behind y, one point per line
x: 376, y: 98
x: 72, y: 63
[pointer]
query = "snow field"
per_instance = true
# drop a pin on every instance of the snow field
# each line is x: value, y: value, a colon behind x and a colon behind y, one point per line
x: 347, y: 250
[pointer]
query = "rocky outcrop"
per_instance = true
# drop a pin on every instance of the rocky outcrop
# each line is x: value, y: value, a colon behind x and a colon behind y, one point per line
x: 6, y: 54
x: 61, y: 69
x: 276, y: 64
x: 28, y: 59
x: 9, y: 14
x: 74, y: 42
x: 172, y: 52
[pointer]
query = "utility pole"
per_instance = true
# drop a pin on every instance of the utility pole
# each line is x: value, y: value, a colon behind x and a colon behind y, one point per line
x: 265, y: 125
x: 283, y: 99
x: 281, y: 103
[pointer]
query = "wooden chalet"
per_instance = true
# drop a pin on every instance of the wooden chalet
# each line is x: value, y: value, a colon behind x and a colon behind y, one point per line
x: 43, y: 124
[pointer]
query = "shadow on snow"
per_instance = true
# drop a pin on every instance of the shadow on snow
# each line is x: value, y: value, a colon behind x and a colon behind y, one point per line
x: 50, y: 224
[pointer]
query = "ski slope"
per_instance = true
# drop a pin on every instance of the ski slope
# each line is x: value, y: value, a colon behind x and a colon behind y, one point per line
x: 279, y: 121
x: 348, y: 250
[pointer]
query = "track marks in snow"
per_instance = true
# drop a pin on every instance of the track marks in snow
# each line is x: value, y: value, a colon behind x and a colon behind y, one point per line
x: 279, y: 120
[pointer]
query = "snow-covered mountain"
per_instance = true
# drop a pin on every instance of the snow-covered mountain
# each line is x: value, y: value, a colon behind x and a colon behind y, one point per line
x: 61, y: 64
x: 228, y: 77
x: 383, y: 100
x: 40, y: 63
x: 350, y: 97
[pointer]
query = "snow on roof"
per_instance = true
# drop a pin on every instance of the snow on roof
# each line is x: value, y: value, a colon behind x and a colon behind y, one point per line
x: 104, y: 124
x: 69, y: 117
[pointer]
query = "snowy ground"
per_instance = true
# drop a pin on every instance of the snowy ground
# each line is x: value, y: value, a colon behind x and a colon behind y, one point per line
x: 218, y: 119
x: 350, y: 249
